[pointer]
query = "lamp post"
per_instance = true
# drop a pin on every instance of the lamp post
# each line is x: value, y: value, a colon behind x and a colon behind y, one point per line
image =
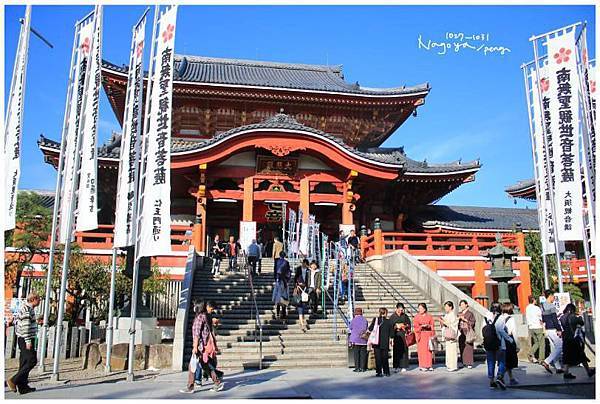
x: 501, y: 258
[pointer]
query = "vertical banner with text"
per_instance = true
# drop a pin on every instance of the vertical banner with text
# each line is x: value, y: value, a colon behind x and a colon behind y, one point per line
x: 83, y: 49
x: 87, y: 200
x: 14, y: 125
x: 564, y: 114
x: 543, y: 180
x: 155, y: 231
x: 125, y: 211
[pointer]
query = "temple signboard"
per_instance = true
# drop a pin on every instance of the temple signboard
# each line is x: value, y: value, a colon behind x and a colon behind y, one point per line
x: 276, y: 165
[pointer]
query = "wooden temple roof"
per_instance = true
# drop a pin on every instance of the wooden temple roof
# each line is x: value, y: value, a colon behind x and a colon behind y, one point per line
x: 274, y: 75
x: 383, y: 157
x: 523, y: 189
x: 474, y: 218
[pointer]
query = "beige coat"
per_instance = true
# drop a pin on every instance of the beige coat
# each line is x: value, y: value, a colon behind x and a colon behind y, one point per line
x: 277, y: 248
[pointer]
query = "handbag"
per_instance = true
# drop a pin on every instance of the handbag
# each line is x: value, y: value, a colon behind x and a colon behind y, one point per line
x: 304, y: 296
x: 365, y: 334
x: 374, y: 335
x: 410, y: 338
x: 470, y: 336
x: 449, y: 334
x: 193, y: 363
x: 433, y: 344
x: 284, y: 302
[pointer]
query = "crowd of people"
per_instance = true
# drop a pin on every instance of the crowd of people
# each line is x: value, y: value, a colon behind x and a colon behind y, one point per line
x: 397, y: 333
x: 458, y: 332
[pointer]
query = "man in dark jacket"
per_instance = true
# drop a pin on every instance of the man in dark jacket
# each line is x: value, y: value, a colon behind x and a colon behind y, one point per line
x: 233, y: 250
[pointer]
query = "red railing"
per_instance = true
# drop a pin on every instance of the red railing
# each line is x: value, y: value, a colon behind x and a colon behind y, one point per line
x: 102, y: 237
x: 458, y: 244
x: 576, y: 270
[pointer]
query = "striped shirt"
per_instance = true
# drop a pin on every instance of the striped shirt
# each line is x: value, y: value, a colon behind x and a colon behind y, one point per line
x: 26, y: 323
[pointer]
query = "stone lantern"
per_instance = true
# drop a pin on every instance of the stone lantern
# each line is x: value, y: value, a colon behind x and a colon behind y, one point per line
x: 502, y: 272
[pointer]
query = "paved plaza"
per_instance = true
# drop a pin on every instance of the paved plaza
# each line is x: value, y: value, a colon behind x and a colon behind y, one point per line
x: 325, y: 383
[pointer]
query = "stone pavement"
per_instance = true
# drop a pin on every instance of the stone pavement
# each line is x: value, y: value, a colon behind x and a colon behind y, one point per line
x: 330, y: 383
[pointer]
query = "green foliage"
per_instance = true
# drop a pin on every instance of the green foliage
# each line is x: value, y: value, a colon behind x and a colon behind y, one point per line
x: 33, y: 222
x: 574, y: 291
x: 533, y: 248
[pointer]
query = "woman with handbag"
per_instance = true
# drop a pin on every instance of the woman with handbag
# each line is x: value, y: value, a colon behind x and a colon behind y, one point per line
x: 300, y: 297
x: 381, y: 328
x: 424, y: 331
x: 401, y: 324
x: 450, y: 334
x: 358, y: 340
x: 204, y: 348
x: 466, y: 339
x: 573, y: 342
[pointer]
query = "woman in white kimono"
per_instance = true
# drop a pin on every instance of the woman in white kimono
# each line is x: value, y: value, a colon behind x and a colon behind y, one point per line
x: 450, y: 335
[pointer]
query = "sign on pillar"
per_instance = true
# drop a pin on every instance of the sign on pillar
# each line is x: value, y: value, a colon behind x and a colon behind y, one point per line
x: 247, y: 234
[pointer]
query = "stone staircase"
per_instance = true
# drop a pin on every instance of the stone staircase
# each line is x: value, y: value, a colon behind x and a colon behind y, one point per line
x: 284, y: 344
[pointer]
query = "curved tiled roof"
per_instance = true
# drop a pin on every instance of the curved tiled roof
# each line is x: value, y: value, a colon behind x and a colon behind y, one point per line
x: 388, y: 156
x: 474, y: 217
x: 522, y: 189
x: 238, y: 72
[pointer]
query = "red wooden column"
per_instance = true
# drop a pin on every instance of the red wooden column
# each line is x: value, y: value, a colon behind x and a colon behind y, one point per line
x: 305, y: 198
x: 524, y: 288
x: 248, y: 199
x: 378, y: 237
x: 479, y: 288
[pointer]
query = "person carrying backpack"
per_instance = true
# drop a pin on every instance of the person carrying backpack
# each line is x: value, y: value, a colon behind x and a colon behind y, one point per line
x: 492, y: 346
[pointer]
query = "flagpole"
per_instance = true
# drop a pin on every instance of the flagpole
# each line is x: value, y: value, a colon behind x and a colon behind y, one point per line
x: 110, y: 328
x: 57, y: 196
x: 541, y: 218
x: 547, y: 166
x: 70, y: 219
x: 138, y: 213
x: 588, y: 265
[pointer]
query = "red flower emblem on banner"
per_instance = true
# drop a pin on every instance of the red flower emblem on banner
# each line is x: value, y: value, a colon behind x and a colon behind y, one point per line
x: 592, y: 86
x: 140, y: 48
x: 562, y: 55
x: 545, y: 83
x: 168, y: 33
x: 584, y: 56
x: 85, y: 46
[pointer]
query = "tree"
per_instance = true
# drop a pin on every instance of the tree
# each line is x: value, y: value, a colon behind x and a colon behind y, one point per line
x: 30, y: 236
x: 533, y: 248
x: 88, y: 285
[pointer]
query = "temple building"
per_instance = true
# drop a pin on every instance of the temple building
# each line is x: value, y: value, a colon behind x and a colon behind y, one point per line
x: 253, y: 138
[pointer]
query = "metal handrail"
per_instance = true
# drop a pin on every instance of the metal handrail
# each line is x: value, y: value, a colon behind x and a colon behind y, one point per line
x: 386, y: 284
x: 257, y: 321
x: 344, y: 317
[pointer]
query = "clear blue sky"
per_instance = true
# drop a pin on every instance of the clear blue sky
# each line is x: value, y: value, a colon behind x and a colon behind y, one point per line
x: 476, y: 108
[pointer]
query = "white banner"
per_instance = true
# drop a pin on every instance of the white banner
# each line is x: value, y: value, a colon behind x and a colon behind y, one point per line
x: 130, y: 143
x: 546, y: 227
x: 247, y: 234
x: 83, y: 49
x: 564, y: 113
x: 303, y: 244
x: 87, y: 200
x: 155, y: 232
x: 14, y: 125
x: 592, y: 80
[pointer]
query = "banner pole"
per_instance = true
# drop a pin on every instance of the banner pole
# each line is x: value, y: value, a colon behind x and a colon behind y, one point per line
x: 548, y: 171
x: 138, y: 213
x: 111, y: 309
x: 538, y: 197
x: 57, y: 196
x: 588, y: 266
x: 70, y: 219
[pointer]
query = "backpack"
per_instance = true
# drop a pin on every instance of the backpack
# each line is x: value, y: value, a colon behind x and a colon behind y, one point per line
x: 491, y: 342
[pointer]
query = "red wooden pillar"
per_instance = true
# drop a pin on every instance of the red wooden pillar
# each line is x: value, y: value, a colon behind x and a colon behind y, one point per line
x: 199, y: 227
x: 479, y: 288
x: 305, y: 198
x: 378, y: 238
x: 524, y: 288
x: 247, y: 213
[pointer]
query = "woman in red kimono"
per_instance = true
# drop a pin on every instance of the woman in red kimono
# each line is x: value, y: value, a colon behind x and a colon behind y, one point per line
x: 424, y: 329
